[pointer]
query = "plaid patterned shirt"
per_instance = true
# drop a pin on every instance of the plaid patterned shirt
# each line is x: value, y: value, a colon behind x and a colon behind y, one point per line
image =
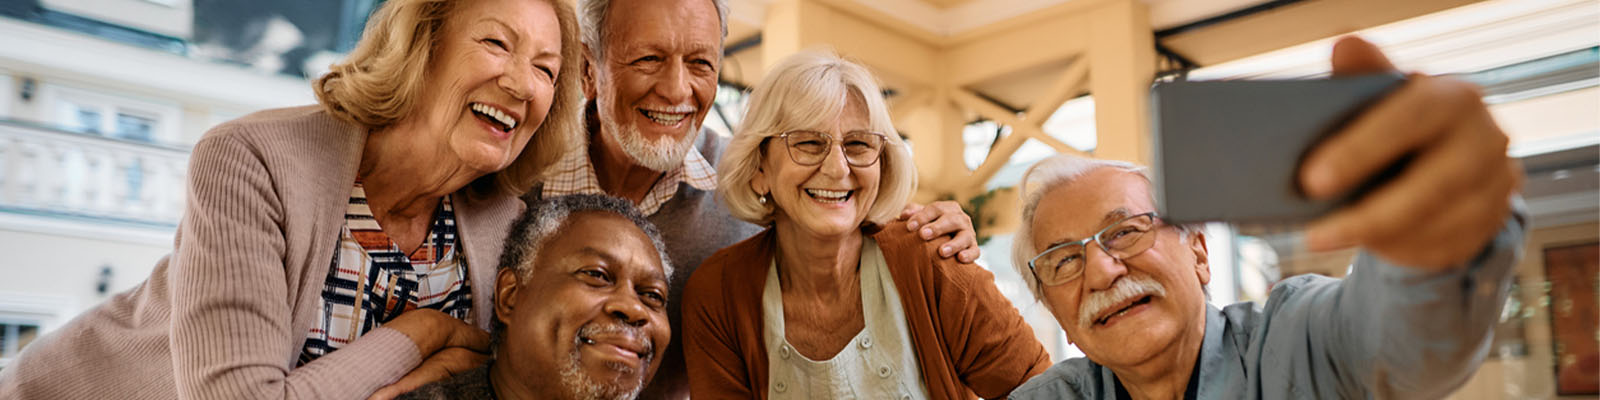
x: 372, y: 281
x: 574, y: 174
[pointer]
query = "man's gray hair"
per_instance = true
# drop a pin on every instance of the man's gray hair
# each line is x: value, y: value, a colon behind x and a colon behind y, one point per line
x: 1056, y: 171
x: 592, y: 16
x: 545, y: 216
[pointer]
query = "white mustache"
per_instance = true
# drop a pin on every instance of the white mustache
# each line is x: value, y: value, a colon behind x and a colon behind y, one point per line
x: 1127, y: 288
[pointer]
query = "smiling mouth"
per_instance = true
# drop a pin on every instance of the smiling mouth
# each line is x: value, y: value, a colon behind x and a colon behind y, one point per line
x: 666, y: 118
x: 830, y: 196
x: 493, y: 116
x: 642, y: 352
x: 1124, y: 310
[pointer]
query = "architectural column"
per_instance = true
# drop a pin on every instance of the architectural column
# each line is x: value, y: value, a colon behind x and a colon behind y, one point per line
x: 1122, y: 63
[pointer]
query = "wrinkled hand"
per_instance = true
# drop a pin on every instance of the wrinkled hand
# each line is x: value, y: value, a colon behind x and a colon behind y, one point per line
x: 433, y: 331
x: 1447, y: 203
x: 944, y: 221
x: 441, y: 365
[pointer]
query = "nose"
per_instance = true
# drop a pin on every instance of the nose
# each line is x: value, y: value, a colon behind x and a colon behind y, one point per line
x: 517, y: 81
x: 1101, y: 270
x: 834, y: 164
x: 627, y: 307
x: 674, y: 84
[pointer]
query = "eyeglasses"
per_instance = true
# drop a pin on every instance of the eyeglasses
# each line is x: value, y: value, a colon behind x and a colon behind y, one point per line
x: 1064, y: 262
x: 861, y: 148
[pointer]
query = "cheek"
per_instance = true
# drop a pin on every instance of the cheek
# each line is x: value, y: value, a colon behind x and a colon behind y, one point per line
x: 1063, y: 305
x: 707, y: 93
x: 660, y: 331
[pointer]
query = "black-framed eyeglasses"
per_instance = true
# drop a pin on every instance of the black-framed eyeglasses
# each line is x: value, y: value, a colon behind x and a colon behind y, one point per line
x: 861, y: 148
x: 1064, y: 262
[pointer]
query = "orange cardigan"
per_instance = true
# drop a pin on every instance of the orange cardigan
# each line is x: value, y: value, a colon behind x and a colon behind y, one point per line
x: 968, y: 339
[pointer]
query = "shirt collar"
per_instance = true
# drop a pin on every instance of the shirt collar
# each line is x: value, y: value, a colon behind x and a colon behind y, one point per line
x: 574, y: 174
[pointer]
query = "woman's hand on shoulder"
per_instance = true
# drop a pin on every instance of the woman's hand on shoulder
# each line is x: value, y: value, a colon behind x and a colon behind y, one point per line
x: 448, y: 346
x: 440, y: 366
x: 944, y: 221
x: 433, y: 331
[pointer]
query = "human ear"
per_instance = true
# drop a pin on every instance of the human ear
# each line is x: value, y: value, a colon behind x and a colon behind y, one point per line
x: 758, y: 182
x: 589, y: 73
x: 505, y: 293
x: 1202, y: 266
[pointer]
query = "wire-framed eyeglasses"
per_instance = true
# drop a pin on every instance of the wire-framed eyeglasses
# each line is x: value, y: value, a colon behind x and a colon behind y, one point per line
x: 1064, y: 262
x: 861, y: 148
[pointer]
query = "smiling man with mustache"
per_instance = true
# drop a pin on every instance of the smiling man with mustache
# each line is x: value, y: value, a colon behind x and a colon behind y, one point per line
x: 578, y: 315
x: 1413, y: 319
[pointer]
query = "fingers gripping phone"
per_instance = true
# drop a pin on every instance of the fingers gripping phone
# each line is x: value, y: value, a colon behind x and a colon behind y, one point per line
x: 1231, y: 150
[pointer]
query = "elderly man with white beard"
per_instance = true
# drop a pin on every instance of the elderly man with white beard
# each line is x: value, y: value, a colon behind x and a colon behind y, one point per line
x: 1412, y: 320
x: 651, y: 76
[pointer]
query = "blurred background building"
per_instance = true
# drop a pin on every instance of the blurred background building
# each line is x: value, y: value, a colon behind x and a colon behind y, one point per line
x: 101, y: 99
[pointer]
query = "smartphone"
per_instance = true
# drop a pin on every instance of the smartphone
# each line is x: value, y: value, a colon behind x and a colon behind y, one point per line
x: 1231, y: 150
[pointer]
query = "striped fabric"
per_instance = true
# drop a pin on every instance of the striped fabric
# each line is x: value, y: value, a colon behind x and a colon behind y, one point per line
x: 575, y: 175
x: 372, y: 281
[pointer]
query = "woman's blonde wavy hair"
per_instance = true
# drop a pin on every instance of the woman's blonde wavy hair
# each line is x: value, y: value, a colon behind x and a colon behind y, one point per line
x: 378, y: 83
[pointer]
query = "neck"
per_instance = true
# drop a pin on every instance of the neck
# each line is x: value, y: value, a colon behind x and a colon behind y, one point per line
x: 399, y: 186
x: 616, y: 172
x: 1164, y: 377
x: 820, y: 264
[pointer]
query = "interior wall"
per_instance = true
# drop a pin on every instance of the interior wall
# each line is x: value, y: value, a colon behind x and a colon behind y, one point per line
x: 1531, y: 375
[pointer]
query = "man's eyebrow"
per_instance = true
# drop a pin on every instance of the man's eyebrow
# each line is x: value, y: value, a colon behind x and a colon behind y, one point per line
x: 609, y: 259
x: 1111, y: 216
x: 1114, y: 215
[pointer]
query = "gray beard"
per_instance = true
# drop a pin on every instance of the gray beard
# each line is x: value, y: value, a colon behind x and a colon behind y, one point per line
x: 581, y: 386
x: 661, y: 155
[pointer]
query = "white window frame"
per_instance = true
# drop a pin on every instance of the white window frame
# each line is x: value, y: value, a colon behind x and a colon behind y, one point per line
x: 45, y: 311
x: 8, y: 94
x: 168, y: 115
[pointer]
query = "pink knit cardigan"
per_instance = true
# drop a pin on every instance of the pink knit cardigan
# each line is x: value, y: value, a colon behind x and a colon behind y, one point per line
x: 226, y: 314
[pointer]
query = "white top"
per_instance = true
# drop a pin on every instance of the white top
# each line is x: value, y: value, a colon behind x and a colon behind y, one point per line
x: 879, y: 362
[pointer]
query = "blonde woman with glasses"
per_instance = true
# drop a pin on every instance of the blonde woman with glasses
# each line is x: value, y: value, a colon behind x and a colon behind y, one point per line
x: 828, y: 302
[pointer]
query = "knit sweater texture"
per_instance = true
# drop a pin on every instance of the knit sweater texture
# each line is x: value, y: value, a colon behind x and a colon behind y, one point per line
x: 225, y: 316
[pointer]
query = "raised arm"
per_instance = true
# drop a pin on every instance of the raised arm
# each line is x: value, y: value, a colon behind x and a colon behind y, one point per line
x: 1439, y: 240
x: 1393, y: 331
x: 231, y: 314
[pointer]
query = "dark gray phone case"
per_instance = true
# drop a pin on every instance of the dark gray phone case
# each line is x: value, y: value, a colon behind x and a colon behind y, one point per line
x: 1231, y: 150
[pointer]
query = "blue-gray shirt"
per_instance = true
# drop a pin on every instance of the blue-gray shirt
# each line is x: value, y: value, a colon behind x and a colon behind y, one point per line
x: 1384, y: 332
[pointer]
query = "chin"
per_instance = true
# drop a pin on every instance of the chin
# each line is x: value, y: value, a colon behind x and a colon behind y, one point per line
x: 485, y: 157
x: 1131, y: 346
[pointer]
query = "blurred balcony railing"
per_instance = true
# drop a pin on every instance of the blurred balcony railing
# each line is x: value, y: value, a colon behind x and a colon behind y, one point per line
x: 53, y: 172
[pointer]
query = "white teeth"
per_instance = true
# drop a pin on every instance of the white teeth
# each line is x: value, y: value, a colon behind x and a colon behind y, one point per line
x: 829, y: 196
x: 664, y: 118
x: 511, y: 123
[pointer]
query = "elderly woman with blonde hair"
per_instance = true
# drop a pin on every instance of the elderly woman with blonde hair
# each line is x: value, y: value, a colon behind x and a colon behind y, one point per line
x: 332, y: 251
x: 827, y: 302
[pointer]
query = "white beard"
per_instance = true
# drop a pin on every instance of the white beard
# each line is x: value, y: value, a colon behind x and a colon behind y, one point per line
x: 662, y: 154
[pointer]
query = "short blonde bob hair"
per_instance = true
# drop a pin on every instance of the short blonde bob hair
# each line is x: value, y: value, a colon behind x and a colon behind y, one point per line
x: 379, y: 82
x: 806, y: 91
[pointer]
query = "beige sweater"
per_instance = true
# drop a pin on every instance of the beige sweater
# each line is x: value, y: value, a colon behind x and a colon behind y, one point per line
x: 226, y: 315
